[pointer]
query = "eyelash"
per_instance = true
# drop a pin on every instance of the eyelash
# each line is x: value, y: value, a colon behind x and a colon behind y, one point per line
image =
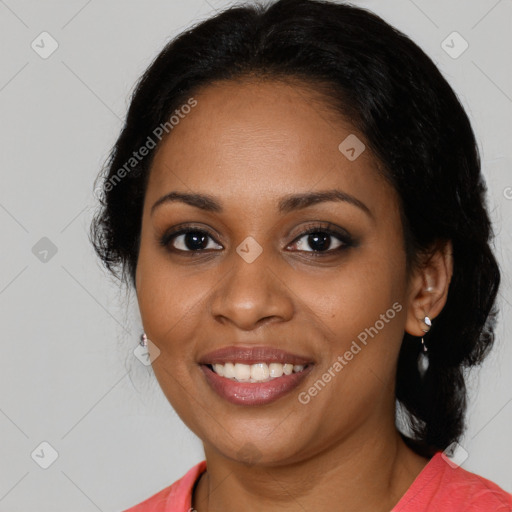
x: 344, y: 238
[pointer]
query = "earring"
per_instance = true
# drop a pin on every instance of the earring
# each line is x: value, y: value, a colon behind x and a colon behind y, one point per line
x: 143, y: 340
x: 428, y: 322
x: 423, y: 357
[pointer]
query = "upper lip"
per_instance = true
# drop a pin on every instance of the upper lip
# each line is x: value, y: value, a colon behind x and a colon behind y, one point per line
x: 252, y: 355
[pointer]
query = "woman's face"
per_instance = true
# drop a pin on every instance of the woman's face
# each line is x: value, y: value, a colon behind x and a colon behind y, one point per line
x: 256, y: 280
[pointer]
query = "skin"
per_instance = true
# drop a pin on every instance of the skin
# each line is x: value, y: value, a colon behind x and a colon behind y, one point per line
x: 248, y: 144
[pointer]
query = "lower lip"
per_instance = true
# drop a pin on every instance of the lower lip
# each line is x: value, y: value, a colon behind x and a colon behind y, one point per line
x: 251, y: 393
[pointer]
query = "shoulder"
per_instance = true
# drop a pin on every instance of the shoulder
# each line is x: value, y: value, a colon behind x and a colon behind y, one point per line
x: 475, y: 491
x: 177, y: 497
x: 444, y: 486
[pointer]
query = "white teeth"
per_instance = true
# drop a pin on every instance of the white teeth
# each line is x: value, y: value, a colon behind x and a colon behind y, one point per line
x: 242, y: 372
x: 276, y: 369
x: 287, y: 369
x: 229, y: 370
x: 259, y: 372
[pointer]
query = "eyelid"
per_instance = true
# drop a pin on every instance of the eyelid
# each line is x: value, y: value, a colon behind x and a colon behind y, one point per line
x: 327, y: 227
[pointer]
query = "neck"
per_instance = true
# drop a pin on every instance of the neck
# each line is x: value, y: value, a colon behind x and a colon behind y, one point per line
x: 358, y: 474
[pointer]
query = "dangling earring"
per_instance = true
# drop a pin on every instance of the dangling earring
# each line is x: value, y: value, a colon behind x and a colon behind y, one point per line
x: 143, y: 340
x: 423, y: 357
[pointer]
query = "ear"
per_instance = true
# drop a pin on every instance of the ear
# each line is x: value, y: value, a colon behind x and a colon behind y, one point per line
x: 428, y: 288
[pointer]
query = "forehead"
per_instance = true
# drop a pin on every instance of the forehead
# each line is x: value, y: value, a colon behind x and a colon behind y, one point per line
x: 262, y: 139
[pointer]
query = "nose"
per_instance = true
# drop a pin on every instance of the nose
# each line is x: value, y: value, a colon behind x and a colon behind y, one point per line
x: 252, y: 294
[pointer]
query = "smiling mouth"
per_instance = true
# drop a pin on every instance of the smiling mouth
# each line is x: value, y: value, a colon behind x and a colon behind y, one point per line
x: 254, y: 373
x: 264, y: 389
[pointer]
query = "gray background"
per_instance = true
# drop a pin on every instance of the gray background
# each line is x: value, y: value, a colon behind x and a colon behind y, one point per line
x: 68, y: 374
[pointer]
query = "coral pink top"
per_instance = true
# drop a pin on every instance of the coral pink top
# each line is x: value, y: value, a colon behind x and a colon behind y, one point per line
x: 438, y: 488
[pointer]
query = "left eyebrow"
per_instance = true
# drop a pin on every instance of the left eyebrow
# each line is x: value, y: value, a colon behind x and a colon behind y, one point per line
x: 286, y: 204
x: 298, y: 201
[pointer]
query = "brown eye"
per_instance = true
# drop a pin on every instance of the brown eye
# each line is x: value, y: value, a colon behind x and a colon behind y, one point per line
x: 187, y: 240
x: 322, y: 240
x: 318, y: 241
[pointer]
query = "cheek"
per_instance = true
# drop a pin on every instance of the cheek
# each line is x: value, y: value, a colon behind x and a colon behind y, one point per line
x: 163, y: 300
x: 356, y: 293
x: 362, y: 308
x: 166, y: 308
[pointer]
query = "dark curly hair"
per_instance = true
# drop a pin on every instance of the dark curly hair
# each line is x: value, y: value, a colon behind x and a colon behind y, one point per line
x: 374, y: 76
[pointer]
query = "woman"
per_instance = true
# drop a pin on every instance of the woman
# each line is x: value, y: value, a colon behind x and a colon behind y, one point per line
x: 296, y: 197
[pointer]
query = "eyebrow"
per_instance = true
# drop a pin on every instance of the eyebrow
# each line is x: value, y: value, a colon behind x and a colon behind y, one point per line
x: 286, y: 204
